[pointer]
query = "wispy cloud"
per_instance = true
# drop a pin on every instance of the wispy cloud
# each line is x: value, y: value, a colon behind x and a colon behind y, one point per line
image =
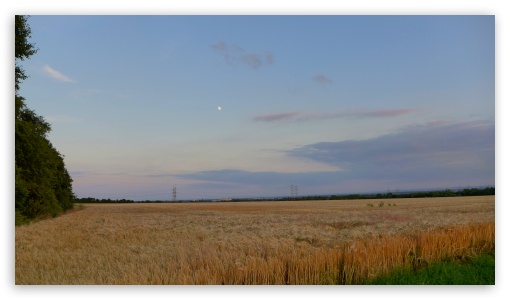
x: 234, y: 54
x: 378, y: 113
x: 322, y: 79
x: 310, y: 116
x: 384, y: 113
x: 277, y: 117
x: 56, y: 74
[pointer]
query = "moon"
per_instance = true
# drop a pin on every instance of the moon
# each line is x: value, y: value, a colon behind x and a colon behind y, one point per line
x: 219, y: 107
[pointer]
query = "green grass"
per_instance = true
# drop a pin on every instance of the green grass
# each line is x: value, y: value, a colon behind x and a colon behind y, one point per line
x: 479, y: 270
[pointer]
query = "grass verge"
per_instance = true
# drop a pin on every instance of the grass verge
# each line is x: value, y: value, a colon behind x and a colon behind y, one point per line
x: 478, y: 270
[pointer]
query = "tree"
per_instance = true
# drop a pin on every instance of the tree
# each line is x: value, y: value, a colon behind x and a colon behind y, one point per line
x: 42, y: 184
x: 23, y: 49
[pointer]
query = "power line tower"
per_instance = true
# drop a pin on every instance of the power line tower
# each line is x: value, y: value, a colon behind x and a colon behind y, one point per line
x: 293, y: 190
x: 174, y: 194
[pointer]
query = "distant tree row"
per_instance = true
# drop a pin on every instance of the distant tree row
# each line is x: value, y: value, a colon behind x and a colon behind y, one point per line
x: 42, y: 183
x: 428, y: 194
x: 425, y: 194
x: 94, y: 200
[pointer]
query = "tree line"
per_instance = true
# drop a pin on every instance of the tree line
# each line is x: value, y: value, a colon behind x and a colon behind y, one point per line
x: 43, y: 187
x: 422, y: 194
x: 94, y: 200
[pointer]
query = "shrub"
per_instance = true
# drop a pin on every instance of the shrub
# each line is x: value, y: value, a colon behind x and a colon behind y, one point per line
x: 20, y: 219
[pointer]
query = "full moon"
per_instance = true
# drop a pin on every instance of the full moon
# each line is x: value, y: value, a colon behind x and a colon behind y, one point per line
x: 219, y: 107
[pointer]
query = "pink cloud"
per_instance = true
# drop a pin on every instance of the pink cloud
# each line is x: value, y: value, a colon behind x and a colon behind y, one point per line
x: 387, y: 113
x: 310, y: 116
x: 277, y: 117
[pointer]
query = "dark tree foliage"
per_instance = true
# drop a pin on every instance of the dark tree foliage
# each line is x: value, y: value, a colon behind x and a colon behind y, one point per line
x: 23, y: 49
x: 43, y: 186
x: 94, y: 200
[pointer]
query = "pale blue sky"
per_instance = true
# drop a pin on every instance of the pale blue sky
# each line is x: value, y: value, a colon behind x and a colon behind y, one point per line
x: 333, y: 104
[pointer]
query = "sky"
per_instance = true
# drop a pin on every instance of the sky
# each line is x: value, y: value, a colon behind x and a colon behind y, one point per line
x: 246, y: 106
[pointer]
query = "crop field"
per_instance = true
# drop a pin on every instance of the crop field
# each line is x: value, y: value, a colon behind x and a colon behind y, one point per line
x: 284, y: 242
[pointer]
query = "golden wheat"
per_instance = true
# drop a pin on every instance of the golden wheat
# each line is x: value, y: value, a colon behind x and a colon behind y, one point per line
x: 308, y: 242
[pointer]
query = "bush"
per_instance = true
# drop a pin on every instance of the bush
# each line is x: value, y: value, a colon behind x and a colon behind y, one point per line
x: 20, y: 219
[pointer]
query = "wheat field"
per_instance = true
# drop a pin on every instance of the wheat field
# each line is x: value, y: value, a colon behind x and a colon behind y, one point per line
x: 298, y: 242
